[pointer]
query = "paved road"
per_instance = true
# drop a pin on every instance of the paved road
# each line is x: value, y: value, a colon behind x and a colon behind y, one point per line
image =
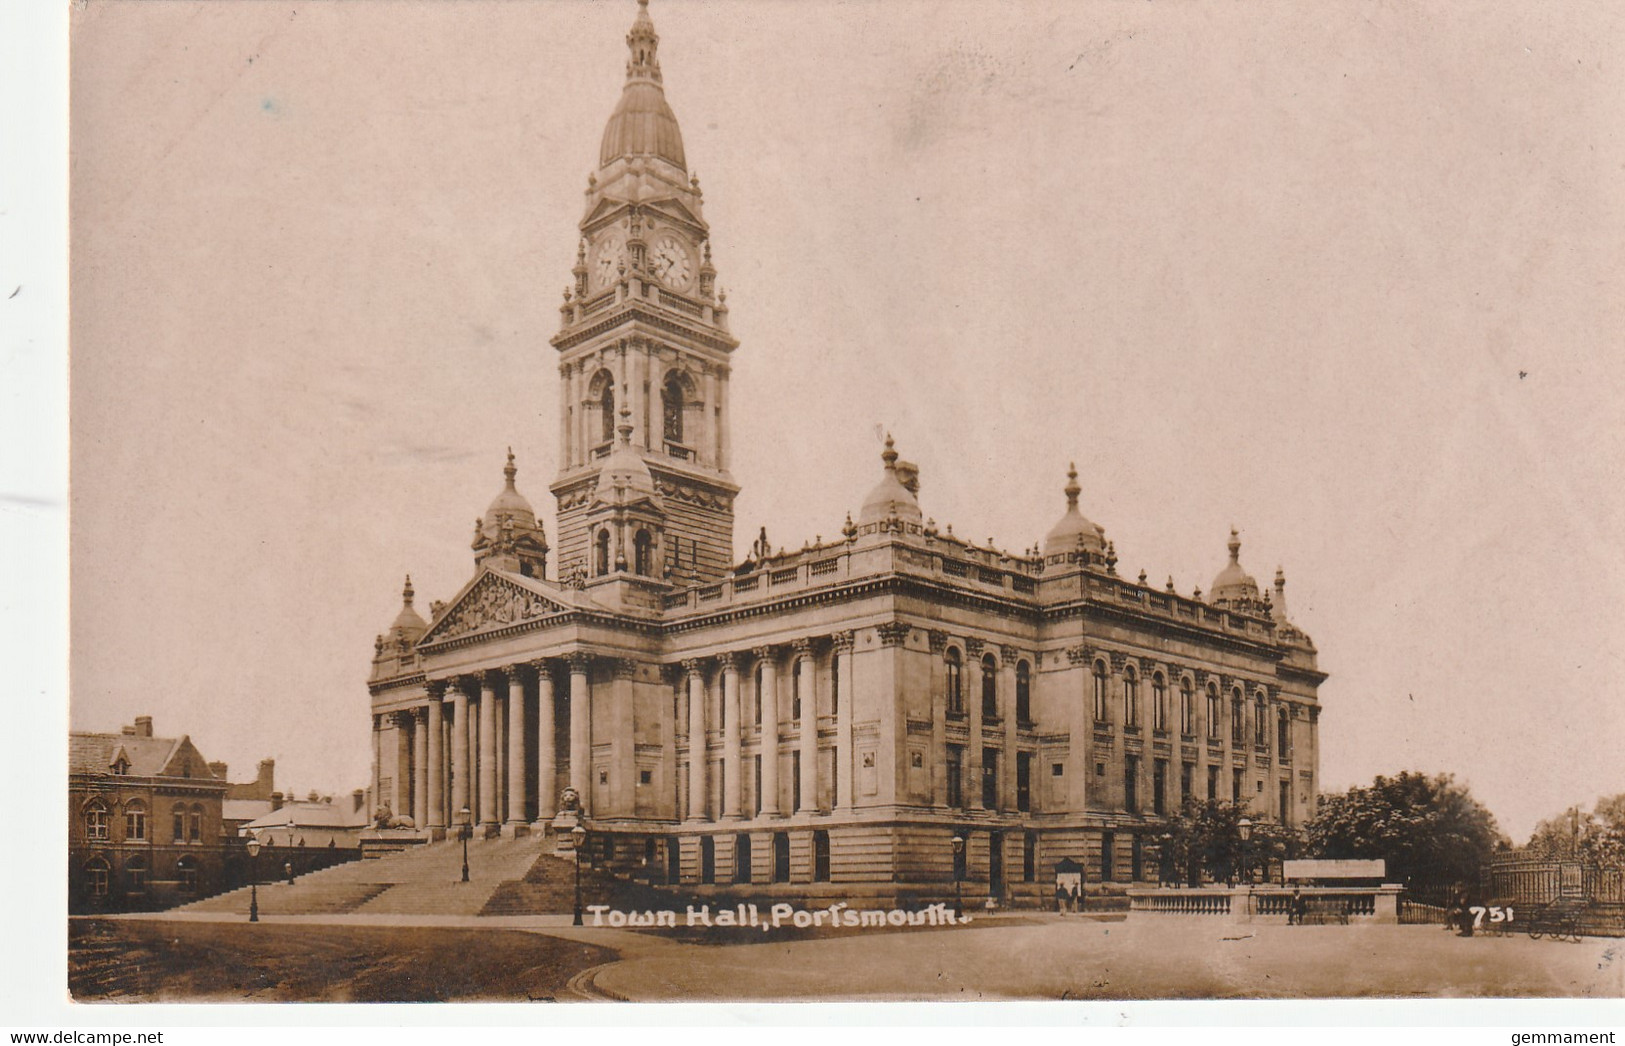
x: 1066, y: 957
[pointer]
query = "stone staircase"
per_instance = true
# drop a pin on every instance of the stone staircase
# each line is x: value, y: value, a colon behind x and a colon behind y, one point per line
x: 506, y: 877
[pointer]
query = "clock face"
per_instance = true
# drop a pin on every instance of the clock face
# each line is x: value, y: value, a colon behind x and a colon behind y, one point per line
x: 609, y: 258
x: 671, y: 263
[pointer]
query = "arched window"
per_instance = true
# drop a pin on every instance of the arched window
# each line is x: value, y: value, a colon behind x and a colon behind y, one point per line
x: 1101, y: 713
x: 671, y: 409
x: 186, y: 872
x: 135, y: 821
x: 1131, y: 698
x: 195, y: 820
x: 990, y: 687
x: 643, y: 553
x: 1283, y: 734
x: 135, y: 874
x: 1024, y: 692
x: 1159, y: 703
x: 96, y: 821
x: 96, y: 877
x: 1215, y: 710
x: 1187, y: 708
x: 600, y: 562
x: 606, y: 409
x: 1238, y: 717
x: 1260, y: 719
x: 178, y: 823
x: 956, y: 683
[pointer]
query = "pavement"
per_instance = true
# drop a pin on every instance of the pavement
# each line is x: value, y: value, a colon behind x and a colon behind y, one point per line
x: 1035, y: 956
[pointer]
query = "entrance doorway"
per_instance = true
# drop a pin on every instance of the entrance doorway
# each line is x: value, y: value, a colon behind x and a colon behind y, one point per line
x: 742, y: 858
x: 781, y: 857
x: 995, y: 863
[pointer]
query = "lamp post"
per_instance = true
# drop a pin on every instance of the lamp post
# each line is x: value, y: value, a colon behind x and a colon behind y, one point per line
x: 959, y: 875
x: 578, y: 839
x: 1245, y: 827
x: 465, y: 828
x: 253, y: 879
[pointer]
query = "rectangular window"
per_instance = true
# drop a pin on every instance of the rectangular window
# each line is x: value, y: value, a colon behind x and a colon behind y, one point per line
x: 196, y: 820
x: 137, y: 875
x: 1213, y: 783
x: 1108, y: 843
x: 1235, y: 785
x: 1131, y: 784
x: 1286, y: 802
x: 1159, y: 786
x: 1029, y: 857
x: 835, y: 685
x: 135, y: 824
x: 96, y: 823
x: 1024, y: 783
x: 990, y: 778
x: 956, y: 771
x: 795, y: 779
x: 757, y: 791
x: 1187, y: 771
x: 178, y: 822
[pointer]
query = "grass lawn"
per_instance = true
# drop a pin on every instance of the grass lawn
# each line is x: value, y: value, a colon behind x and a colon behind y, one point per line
x: 150, y: 961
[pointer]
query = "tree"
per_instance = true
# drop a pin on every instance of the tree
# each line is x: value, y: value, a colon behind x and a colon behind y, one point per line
x: 1429, y: 830
x: 1206, y: 839
x: 1596, y: 838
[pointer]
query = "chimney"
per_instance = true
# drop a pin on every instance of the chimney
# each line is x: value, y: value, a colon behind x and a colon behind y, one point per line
x: 129, y: 731
x: 358, y: 800
x: 143, y: 726
x: 267, y: 775
x: 218, y: 770
x: 276, y: 801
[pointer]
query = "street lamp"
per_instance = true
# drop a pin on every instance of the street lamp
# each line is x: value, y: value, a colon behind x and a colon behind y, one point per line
x: 465, y: 828
x: 578, y: 839
x: 253, y: 879
x: 959, y: 875
x: 1245, y: 826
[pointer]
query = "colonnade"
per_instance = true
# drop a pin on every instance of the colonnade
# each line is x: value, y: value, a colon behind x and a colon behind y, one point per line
x: 465, y: 746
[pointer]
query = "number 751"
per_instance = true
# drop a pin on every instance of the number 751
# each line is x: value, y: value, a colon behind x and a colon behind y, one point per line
x: 1496, y: 913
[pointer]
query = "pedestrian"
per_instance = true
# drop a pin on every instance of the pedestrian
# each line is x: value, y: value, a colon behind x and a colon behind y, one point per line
x: 1060, y: 896
x: 1294, y: 915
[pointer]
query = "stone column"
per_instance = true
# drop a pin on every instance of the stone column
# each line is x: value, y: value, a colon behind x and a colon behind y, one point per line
x: 973, y: 707
x: 377, y: 763
x: 770, y: 732
x: 460, y: 792
x: 807, y: 742
x: 518, y: 774
x: 580, y: 730
x: 400, y: 800
x: 733, y: 770
x: 1007, y: 765
x: 488, y: 750
x: 697, y: 805
x: 420, y: 768
x: 547, y: 800
x: 843, y: 725
x: 435, y: 757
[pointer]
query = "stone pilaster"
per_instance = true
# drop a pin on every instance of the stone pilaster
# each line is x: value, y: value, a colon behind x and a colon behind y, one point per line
x: 733, y: 773
x: 973, y: 708
x: 805, y: 674
x: 420, y: 768
x: 770, y: 731
x: 842, y: 664
x: 697, y: 800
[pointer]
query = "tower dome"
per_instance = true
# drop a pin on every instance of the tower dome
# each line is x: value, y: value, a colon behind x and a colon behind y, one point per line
x: 1073, y: 530
x: 508, y: 506
x: 408, y: 624
x: 889, y: 497
x: 1233, y: 584
x: 642, y: 124
x: 625, y: 477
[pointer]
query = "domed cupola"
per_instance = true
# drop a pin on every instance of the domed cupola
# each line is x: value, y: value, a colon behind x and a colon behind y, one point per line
x: 1074, y: 533
x: 408, y: 624
x: 1234, y: 587
x: 625, y: 477
x: 642, y: 124
x: 890, y: 498
x: 509, y: 536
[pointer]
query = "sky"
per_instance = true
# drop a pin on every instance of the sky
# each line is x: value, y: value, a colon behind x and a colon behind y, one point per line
x: 1345, y: 276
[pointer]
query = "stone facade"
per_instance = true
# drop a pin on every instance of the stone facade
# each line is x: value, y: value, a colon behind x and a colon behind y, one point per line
x: 835, y: 714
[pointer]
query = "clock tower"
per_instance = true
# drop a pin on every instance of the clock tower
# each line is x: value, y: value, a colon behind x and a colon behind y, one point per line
x: 643, y: 487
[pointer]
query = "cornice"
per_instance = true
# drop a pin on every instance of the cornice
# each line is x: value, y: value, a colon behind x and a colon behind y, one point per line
x: 633, y: 309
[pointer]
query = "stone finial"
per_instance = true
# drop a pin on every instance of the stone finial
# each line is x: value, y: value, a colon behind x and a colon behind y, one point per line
x: 1072, y: 488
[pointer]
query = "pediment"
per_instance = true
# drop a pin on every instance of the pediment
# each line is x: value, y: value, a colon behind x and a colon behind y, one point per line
x: 489, y: 603
x: 673, y: 207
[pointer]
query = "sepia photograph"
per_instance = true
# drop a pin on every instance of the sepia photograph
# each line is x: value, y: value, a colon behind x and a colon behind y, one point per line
x: 741, y: 502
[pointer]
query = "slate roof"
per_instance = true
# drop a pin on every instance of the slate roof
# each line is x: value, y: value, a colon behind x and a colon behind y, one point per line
x: 90, y: 753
